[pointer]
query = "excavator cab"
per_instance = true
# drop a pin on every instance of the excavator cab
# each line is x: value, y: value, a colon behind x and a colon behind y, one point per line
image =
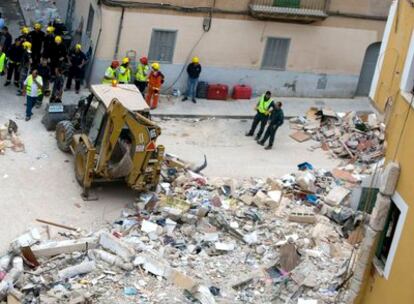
x: 112, y: 138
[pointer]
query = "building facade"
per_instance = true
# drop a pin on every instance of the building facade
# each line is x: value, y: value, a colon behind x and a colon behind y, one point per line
x: 312, y: 48
x: 389, y: 278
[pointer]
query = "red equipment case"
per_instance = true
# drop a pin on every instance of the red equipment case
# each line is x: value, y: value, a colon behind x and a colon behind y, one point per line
x: 217, y: 91
x: 241, y: 91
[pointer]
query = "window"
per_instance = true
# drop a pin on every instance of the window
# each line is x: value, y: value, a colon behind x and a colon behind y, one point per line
x: 390, y: 236
x: 162, y: 46
x: 368, y: 198
x: 89, y: 25
x: 276, y: 52
x: 407, y: 80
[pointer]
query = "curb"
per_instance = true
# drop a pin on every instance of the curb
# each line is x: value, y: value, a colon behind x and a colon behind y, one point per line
x: 209, y: 116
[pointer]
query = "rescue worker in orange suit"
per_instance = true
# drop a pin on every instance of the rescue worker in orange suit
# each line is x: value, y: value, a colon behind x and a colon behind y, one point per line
x: 155, y: 81
x: 37, y: 36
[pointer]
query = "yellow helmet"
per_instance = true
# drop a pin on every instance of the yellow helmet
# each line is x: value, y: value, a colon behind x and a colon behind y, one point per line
x: 58, y: 39
x: 196, y: 60
x: 37, y: 26
x: 24, y: 30
x: 78, y: 46
x: 155, y: 66
x: 125, y: 60
x: 27, y: 45
x: 50, y: 29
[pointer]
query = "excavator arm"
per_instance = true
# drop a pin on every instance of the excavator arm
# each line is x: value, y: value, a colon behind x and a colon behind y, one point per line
x: 146, y: 157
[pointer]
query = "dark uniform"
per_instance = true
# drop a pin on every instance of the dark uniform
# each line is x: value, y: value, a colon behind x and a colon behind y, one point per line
x: 24, y: 69
x: 276, y: 120
x: 15, y: 56
x: 37, y: 37
x: 6, y: 39
x: 77, y: 61
x: 58, y: 56
x: 263, y: 111
x: 48, y: 43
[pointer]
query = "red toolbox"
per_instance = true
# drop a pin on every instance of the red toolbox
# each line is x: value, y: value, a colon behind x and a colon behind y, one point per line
x: 217, y: 91
x: 241, y: 91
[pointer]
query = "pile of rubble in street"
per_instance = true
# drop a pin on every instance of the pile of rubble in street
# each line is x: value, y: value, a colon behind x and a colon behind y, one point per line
x: 282, y: 240
x: 344, y: 135
x: 9, y: 138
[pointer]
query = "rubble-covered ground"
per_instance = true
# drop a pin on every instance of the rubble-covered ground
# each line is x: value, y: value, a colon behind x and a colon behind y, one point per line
x: 31, y: 182
x: 291, y: 239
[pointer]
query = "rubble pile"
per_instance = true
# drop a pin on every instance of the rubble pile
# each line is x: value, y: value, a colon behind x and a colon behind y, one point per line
x: 281, y: 240
x: 9, y: 138
x: 344, y: 135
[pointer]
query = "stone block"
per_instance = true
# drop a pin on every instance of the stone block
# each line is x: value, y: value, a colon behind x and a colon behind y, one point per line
x: 389, y: 178
x: 380, y: 212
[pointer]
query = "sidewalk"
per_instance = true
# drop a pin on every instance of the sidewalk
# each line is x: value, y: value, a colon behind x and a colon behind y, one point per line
x: 292, y: 106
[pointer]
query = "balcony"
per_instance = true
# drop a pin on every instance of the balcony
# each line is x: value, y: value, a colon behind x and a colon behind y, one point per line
x: 301, y: 11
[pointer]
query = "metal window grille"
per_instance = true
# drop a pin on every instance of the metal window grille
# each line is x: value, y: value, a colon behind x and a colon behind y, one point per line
x: 276, y: 53
x: 162, y: 46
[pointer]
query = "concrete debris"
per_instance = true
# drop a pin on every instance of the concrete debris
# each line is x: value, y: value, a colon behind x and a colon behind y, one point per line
x: 279, y: 240
x: 82, y: 268
x: 52, y: 248
x: 336, y: 196
x: 351, y: 136
x: 9, y: 138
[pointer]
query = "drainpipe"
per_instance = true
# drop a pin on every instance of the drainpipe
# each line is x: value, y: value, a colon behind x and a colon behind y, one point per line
x: 98, y: 39
x: 118, y: 38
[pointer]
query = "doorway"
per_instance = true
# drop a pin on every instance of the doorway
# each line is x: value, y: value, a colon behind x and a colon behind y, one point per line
x: 368, y: 69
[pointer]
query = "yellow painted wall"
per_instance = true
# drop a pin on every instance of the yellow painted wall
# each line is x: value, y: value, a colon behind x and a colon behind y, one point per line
x: 399, y: 288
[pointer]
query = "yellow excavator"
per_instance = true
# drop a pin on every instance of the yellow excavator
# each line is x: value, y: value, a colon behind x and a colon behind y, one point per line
x: 113, y: 138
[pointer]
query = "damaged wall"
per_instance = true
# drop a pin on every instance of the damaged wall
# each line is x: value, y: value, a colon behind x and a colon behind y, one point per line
x: 400, y: 147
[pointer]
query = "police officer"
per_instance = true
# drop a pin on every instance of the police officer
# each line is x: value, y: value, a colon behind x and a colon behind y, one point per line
x: 276, y: 120
x: 263, y: 108
x: 77, y: 61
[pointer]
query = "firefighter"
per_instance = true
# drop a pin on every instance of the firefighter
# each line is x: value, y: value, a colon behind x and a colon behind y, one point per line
x: 263, y: 108
x: 15, y: 55
x: 141, y: 77
x: 77, y: 60
x: 58, y: 55
x: 24, y: 31
x: 124, y: 72
x: 25, y: 65
x: 48, y: 43
x: 110, y: 73
x: 7, y: 37
x: 155, y: 81
x: 37, y: 37
x: 3, y: 61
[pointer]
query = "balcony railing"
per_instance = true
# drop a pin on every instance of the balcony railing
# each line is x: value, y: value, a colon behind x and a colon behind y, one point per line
x: 293, y: 10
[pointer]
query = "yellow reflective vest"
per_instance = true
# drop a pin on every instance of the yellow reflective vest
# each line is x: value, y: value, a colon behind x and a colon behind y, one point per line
x: 2, y: 62
x: 124, y: 75
x: 30, y: 83
x: 263, y: 105
x: 142, y: 72
x: 110, y: 73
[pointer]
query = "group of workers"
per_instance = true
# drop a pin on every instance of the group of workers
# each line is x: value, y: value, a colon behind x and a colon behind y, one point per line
x: 150, y: 76
x: 144, y: 76
x: 37, y: 58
